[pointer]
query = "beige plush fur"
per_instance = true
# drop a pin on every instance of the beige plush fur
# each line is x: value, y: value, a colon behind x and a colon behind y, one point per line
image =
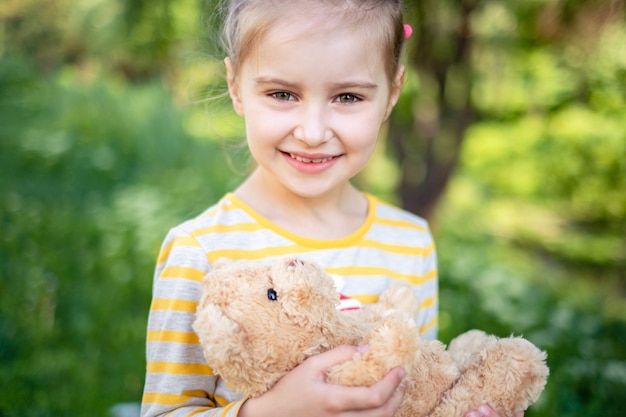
x: 257, y: 322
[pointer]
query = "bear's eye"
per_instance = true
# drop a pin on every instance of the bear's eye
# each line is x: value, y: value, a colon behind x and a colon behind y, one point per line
x: 271, y: 294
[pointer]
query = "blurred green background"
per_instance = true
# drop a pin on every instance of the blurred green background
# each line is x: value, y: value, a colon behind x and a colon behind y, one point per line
x: 109, y: 135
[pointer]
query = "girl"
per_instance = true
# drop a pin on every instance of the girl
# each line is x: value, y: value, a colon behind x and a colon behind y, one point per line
x: 314, y: 81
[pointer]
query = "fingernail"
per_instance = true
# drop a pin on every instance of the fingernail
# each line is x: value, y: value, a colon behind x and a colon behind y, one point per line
x: 363, y: 348
x: 404, y: 385
x: 483, y: 410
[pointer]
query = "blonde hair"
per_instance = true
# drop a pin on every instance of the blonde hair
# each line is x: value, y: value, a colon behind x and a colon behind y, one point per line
x: 247, y: 21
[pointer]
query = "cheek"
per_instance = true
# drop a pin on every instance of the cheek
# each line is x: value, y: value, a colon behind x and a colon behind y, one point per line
x: 362, y: 135
x: 267, y: 123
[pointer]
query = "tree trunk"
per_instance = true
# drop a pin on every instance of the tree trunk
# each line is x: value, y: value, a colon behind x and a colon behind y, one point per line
x: 427, y: 130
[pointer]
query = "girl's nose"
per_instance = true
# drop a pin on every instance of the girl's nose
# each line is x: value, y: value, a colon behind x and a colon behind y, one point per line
x: 313, y: 126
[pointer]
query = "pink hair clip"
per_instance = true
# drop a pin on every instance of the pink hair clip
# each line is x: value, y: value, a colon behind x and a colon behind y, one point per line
x: 408, y: 31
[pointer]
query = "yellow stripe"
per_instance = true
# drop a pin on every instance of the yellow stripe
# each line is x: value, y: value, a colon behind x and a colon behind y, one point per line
x: 366, y: 298
x: 199, y: 410
x: 230, y: 204
x: 198, y: 393
x: 212, y: 211
x: 252, y: 255
x: 399, y: 223
x: 346, y: 271
x: 227, y: 228
x: 399, y: 249
x: 165, y: 253
x: 164, y: 399
x: 179, y: 368
x: 373, y: 298
x: 182, y: 272
x: 161, y: 398
x: 221, y: 401
x: 174, y: 304
x: 172, y: 336
x: 371, y: 271
x: 179, y: 241
x: 432, y: 323
x: 238, y: 404
x: 227, y: 408
x: 256, y: 254
x: 421, y: 279
x: 428, y: 302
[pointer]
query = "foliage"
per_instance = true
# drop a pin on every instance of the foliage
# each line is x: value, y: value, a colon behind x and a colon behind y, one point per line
x: 490, y: 284
x: 91, y: 176
x: 531, y: 232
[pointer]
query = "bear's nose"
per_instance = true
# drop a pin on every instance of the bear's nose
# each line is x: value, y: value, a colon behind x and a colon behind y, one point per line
x: 294, y: 263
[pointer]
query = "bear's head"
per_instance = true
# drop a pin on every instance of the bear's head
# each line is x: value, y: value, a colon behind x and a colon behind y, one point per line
x: 257, y: 322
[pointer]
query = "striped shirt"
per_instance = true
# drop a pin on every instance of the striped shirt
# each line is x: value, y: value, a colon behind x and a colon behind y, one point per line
x: 392, y: 244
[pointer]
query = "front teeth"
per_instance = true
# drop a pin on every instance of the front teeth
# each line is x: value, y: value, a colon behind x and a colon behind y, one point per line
x: 310, y: 161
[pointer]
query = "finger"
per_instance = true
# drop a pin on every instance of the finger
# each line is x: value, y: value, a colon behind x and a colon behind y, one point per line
x: 399, y: 386
x: 385, y: 393
x: 482, y: 411
x: 391, y: 381
x: 333, y: 357
x: 485, y: 411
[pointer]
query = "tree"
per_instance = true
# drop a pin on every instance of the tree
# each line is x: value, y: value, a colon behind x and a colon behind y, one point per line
x: 430, y: 124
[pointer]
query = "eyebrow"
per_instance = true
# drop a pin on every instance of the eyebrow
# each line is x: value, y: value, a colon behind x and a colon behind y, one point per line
x: 365, y: 85
x: 270, y: 80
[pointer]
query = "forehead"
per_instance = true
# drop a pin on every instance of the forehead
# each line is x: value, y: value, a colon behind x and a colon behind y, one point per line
x: 315, y: 46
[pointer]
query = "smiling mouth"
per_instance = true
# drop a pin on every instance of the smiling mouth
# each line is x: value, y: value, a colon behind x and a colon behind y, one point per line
x: 310, y: 160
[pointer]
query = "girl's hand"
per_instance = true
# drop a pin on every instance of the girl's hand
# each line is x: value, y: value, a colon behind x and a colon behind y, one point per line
x: 304, y: 392
x: 486, y: 411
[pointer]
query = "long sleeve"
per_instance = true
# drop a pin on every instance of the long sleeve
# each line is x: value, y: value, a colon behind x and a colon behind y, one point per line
x: 178, y: 380
x: 428, y: 295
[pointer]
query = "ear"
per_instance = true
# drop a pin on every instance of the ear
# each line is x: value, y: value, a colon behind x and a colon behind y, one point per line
x: 233, y: 86
x: 396, y: 89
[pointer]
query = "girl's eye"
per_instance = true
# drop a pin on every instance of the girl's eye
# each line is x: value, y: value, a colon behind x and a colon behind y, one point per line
x: 283, y: 96
x: 347, y: 98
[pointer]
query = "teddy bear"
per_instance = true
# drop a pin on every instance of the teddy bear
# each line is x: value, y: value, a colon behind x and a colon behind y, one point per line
x: 256, y: 322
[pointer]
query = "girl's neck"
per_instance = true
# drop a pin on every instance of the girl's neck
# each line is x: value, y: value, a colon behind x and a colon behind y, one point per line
x: 333, y: 215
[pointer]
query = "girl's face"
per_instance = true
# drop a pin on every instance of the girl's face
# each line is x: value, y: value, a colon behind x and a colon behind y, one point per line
x: 313, y: 102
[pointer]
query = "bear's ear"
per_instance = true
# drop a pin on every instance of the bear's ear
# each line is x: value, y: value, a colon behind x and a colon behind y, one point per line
x: 222, y: 263
x: 215, y: 283
x: 220, y: 337
x: 224, y: 346
x: 305, y: 292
